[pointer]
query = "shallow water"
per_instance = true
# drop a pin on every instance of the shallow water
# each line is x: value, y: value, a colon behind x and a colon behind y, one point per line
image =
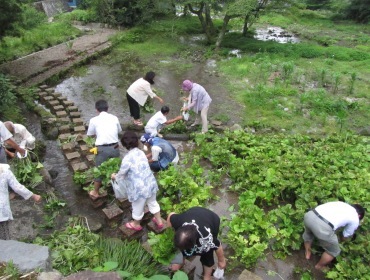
x: 274, y: 33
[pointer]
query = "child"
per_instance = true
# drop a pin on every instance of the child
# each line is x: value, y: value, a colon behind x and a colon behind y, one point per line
x: 158, y: 121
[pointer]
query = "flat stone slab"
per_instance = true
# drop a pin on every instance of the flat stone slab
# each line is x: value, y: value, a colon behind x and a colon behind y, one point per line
x: 49, y: 90
x: 123, y: 203
x: 64, y: 120
x: 69, y: 147
x: 57, y: 108
x: 72, y: 108
x: 61, y: 114
x: 64, y: 129
x: 247, y: 275
x: 90, y: 158
x: 84, y: 149
x: 68, y: 103
x: 73, y: 155
x: 78, y: 121
x: 113, y: 212
x: 48, y: 98
x: 79, y: 129
x: 79, y: 166
x: 54, y: 103
x: 153, y: 227
x: 62, y: 98
x: 64, y: 137
x: 26, y: 257
x: 130, y: 233
x: 43, y: 87
x: 42, y: 94
x: 56, y: 94
x: 75, y: 114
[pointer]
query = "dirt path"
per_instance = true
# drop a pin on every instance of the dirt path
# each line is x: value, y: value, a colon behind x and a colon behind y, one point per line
x: 37, y: 67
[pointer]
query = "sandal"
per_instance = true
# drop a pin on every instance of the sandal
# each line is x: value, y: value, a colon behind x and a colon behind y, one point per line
x: 130, y: 226
x: 159, y: 226
x: 138, y: 122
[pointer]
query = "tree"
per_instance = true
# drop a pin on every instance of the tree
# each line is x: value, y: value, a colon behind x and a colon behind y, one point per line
x: 9, y: 13
x: 359, y: 10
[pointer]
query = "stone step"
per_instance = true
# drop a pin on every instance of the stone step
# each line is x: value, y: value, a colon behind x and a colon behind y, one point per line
x: 61, y: 114
x: 75, y: 115
x: 78, y: 121
x: 113, y: 213
x: 79, y: 166
x: 73, y: 155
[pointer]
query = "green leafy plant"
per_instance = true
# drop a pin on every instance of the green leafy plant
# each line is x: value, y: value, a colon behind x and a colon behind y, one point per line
x: 162, y: 246
x: 26, y: 171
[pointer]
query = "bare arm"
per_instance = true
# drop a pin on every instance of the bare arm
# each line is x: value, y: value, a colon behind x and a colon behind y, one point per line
x: 174, y: 120
x: 220, y: 257
x: 168, y: 219
x: 15, y: 146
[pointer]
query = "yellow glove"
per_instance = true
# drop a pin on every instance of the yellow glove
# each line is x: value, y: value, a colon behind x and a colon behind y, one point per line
x: 94, y: 150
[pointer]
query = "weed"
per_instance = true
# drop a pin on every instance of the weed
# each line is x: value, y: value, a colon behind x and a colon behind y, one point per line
x: 352, y: 82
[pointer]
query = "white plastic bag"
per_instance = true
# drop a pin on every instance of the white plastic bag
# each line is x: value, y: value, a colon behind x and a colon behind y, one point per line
x: 219, y: 273
x: 185, y: 114
x: 119, y: 189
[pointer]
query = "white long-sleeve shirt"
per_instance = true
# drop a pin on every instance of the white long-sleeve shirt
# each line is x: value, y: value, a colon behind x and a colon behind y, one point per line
x: 340, y: 214
x: 140, y: 90
x: 23, y: 137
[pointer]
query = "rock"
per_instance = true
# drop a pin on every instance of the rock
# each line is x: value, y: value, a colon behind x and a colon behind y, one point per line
x: 216, y: 123
x: 365, y: 131
x: 26, y: 257
x: 52, y: 133
x: 247, y: 275
x: 235, y: 127
x: 53, y: 275
x: 90, y: 275
x: 46, y: 176
x: 250, y: 130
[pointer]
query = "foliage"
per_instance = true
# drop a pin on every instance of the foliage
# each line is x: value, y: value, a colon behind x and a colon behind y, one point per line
x: 30, y: 18
x: 26, y: 171
x: 358, y: 10
x: 177, y: 127
x: 10, y: 11
x: 7, y: 95
x: 106, y: 169
x: 277, y: 179
x: 162, y: 246
x: 84, y: 16
x: 181, y: 188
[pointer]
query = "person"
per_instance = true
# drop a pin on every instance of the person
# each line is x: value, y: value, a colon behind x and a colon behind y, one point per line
x: 7, y: 179
x: 20, y: 135
x: 159, y: 120
x: 105, y: 127
x: 323, y: 221
x: 196, y: 232
x: 138, y: 93
x: 199, y: 102
x: 141, y: 185
x: 162, y: 152
x: 6, y: 137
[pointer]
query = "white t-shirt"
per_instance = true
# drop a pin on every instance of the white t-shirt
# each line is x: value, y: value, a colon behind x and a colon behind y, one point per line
x: 140, y: 90
x: 106, y: 128
x: 154, y: 123
x: 23, y: 137
x: 4, y: 132
x: 340, y: 214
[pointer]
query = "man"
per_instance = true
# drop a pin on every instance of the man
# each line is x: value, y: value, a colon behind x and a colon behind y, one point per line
x: 158, y: 121
x: 196, y: 232
x: 6, y: 136
x: 323, y: 221
x: 21, y: 135
x: 105, y: 127
x: 162, y: 152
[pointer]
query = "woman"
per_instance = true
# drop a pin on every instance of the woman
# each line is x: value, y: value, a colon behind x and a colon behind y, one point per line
x: 138, y: 93
x: 7, y: 179
x: 140, y: 181
x: 200, y: 101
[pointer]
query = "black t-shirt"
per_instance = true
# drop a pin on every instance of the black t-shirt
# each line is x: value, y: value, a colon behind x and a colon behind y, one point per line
x: 207, y: 224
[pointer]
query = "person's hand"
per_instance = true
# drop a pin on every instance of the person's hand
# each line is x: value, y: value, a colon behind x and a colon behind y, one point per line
x: 184, y: 109
x: 160, y: 99
x: 113, y: 176
x: 36, y: 198
x: 21, y: 151
x: 179, y: 118
x: 185, y: 99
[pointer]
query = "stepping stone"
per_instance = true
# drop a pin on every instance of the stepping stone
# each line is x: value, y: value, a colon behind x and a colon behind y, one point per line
x: 84, y: 149
x: 79, y: 166
x: 49, y: 90
x: 64, y: 120
x: 113, y: 213
x: 62, y: 99
x: 48, y: 98
x: 90, y: 158
x: 61, y: 114
x: 37, y: 90
x: 43, y: 87
x: 123, y: 203
x: 42, y: 94
x: 64, y: 137
x: 73, y: 155
x: 53, y: 103
x: 69, y: 147
x: 68, y: 103
x: 75, y: 114
x: 216, y: 123
x: 56, y: 94
x: 57, y: 108
x: 153, y: 227
x: 131, y: 234
x: 79, y: 129
x: 72, y: 109
x: 64, y: 129
x: 247, y: 275
x: 98, y: 203
x: 78, y: 121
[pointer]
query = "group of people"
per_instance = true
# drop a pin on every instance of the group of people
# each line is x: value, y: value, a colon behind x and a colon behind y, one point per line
x: 197, y: 229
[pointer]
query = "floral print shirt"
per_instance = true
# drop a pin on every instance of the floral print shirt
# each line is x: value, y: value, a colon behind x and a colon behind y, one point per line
x: 7, y: 178
x: 140, y: 181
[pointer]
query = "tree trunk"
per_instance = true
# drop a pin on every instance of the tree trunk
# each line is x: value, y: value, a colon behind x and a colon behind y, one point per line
x: 246, y: 27
x: 203, y: 21
x: 221, y: 35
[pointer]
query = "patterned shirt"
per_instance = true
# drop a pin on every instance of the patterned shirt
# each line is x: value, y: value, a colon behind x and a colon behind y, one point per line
x: 140, y: 180
x: 7, y: 178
